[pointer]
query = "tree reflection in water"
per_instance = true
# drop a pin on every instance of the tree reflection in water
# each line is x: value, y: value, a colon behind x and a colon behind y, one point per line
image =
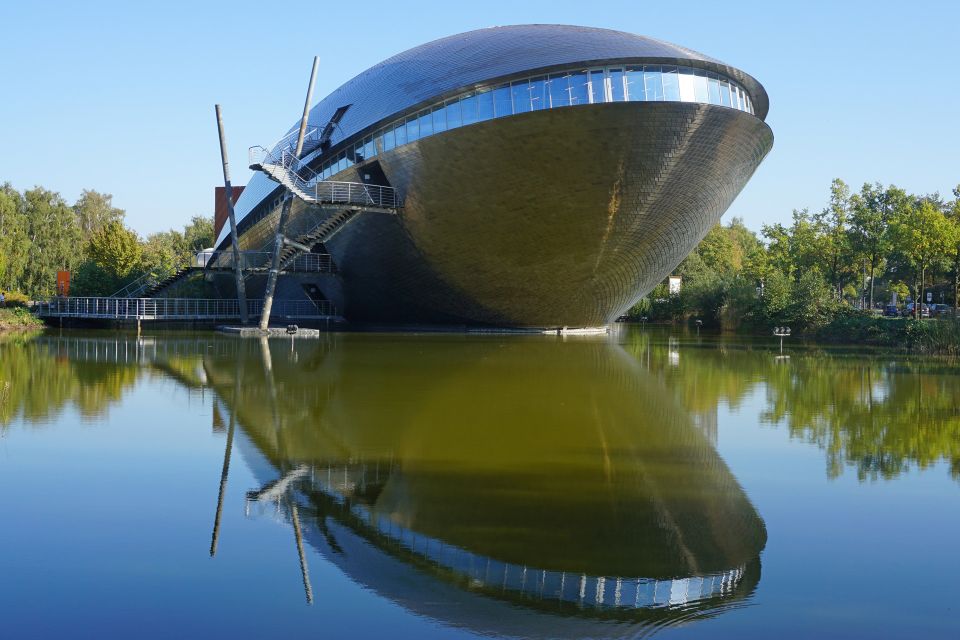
x: 573, y: 477
x: 880, y: 413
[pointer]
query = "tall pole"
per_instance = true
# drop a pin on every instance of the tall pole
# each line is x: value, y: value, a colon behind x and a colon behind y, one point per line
x: 234, y: 240
x: 285, y: 210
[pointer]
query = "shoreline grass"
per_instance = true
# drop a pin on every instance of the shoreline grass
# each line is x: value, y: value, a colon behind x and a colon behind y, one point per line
x: 18, y: 319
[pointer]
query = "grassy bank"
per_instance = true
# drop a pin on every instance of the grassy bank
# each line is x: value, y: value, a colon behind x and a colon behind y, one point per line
x: 18, y: 319
x: 931, y: 336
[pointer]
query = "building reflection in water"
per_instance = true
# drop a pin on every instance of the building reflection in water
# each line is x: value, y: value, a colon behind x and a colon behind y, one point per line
x: 455, y: 477
x: 480, y: 480
x: 510, y: 485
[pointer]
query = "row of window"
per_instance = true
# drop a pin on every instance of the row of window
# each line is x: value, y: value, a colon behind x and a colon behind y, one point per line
x: 643, y: 83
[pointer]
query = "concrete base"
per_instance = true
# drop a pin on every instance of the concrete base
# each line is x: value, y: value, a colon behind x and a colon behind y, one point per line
x: 578, y: 331
x: 272, y: 332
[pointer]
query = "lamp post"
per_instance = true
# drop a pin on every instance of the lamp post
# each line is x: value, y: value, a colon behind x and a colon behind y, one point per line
x: 781, y: 332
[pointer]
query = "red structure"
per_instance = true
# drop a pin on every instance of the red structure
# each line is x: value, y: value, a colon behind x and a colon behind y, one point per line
x: 220, y: 207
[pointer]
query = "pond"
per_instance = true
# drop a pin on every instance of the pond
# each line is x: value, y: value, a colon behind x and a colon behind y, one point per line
x: 458, y: 486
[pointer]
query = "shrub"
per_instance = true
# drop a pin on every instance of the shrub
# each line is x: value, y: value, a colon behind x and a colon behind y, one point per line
x: 14, y: 299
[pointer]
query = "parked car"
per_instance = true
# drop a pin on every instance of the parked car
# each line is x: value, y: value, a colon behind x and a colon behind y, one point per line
x: 924, y: 310
x: 941, y: 310
x: 891, y: 311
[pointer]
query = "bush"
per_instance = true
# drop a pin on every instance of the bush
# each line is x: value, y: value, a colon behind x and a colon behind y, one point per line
x: 937, y: 336
x: 14, y: 299
x: 18, y: 318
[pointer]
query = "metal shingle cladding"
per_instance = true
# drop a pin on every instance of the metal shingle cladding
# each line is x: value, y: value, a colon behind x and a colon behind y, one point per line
x: 448, y: 65
x: 445, y: 66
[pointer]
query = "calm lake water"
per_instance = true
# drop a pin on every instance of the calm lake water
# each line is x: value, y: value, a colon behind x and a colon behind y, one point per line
x: 449, y: 486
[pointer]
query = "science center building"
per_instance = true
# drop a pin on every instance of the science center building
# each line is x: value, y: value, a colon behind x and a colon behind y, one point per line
x: 544, y: 176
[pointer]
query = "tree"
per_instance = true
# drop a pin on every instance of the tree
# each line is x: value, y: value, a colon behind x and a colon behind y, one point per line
x: 94, y: 211
x: 53, y: 241
x: 13, y: 237
x: 831, y: 226
x: 716, y: 250
x: 115, y: 249
x: 164, y: 252
x: 869, y: 231
x: 926, y: 237
x: 954, y: 215
x: 198, y: 235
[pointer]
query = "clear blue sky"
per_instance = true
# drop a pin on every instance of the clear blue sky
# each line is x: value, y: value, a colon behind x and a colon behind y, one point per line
x: 118, y: 96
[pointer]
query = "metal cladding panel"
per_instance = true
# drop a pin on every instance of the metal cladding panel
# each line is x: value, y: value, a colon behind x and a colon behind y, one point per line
x: 449, y: 65
x: 554, y: 218
x: 445, y: 66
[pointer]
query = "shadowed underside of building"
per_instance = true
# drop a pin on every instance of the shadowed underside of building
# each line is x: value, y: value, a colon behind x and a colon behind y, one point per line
x: 551, y: 177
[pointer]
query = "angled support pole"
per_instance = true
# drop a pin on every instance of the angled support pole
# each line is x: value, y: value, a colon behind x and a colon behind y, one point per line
x: 296, y: 245
x: 285, y: 210
x: 234, y: 241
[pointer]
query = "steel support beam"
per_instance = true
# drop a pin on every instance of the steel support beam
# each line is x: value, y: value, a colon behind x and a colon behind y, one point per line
x: 234, y: 240
x: 285, y: 211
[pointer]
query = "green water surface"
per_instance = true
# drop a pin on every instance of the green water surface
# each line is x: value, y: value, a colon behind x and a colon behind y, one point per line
x: 435, y: 486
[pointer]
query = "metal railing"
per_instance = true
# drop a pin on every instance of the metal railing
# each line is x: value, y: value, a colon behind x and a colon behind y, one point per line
x: 176, y: 308
x: 260, y: 260
x: 311, y: 263
x: 138, y: 286
x: 286, y: 144
x: 356, y: 193
x: 285, y: 167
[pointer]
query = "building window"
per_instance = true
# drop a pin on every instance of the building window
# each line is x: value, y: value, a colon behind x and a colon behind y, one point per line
x: 569, y: 88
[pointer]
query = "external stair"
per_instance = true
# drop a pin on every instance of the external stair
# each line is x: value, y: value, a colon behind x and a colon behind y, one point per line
x: 320, y: 233
x: 177, y: 276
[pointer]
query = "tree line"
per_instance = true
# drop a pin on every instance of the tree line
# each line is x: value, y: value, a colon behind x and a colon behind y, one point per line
x: 855, y: 253
x: 40, y: 234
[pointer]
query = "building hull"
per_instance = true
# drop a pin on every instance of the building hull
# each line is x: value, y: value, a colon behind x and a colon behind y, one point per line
x: 554, y: 218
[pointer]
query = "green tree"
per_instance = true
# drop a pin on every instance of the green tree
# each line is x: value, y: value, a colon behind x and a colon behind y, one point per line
x: 198, y: 234
x: 869, y: 231
x: 833, y: 241
x: 953, y: 214
x: 13, y: 237
x: 53, y: 241
x: 113, y: 259
x: 926, y: 237
x: 164, y: 252
x: 777, y: 295
x: 115, y: 249
x: 94, y: 211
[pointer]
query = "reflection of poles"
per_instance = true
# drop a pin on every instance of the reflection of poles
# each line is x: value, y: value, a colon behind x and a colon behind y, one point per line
x: 282, y: 487
x: 271, y: 388
x: 226, y: 462
x: 298, y: 536
x: 223, y: 487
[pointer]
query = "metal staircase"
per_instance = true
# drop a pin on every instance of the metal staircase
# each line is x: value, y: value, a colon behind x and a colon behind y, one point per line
x: 251, y: 263
x: 320, y: 233
x: 173, y: 278
x: 282, y: 166
x: 347, y: 199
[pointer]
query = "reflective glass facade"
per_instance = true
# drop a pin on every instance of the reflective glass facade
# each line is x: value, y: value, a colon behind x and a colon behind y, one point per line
x: 623, y: 83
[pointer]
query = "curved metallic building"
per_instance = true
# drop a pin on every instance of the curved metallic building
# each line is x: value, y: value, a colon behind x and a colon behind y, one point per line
x: 551, y: 175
